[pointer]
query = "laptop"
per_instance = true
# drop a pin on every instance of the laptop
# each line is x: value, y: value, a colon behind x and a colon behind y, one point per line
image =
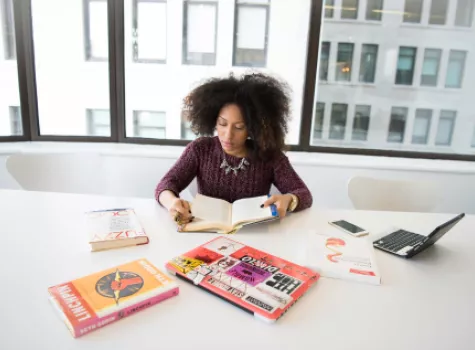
x: 257, y: 282
x: 407, y: 244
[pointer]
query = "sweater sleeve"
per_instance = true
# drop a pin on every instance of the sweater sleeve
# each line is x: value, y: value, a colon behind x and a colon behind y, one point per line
x: 181, y: 173
x: 288, y: 181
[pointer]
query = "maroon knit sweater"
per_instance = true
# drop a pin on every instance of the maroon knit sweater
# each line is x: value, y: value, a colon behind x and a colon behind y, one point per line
x: 202, y: 159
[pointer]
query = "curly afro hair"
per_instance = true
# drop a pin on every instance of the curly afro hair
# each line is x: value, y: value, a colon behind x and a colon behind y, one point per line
x: 264, y: 103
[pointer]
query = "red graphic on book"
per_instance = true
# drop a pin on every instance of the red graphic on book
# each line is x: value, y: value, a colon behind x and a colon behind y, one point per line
x: 119, y: 284
x: 331, y: 244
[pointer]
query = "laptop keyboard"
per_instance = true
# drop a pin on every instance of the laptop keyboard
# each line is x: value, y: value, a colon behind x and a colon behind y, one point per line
x: 398, y: 240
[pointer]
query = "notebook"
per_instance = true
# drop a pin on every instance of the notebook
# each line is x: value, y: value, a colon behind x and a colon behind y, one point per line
x: 217, y: 215
x: 257, y: 282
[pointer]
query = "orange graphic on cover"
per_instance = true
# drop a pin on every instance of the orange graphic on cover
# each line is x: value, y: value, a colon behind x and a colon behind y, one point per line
x: 330, y: 244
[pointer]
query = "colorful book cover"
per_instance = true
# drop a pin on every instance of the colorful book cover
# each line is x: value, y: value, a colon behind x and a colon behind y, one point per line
x: 114, y: 228
x: 338, y: 256
x: 258, y: 282
x: 93, y: 301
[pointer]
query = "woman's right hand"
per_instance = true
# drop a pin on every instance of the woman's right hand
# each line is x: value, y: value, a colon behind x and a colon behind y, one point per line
x: 180, y: 211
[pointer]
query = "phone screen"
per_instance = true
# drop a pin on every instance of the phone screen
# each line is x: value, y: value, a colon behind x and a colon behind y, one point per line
x: 348, y: 226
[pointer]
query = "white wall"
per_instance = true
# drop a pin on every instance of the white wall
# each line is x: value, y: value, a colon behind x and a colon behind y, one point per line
x: 134, y: 170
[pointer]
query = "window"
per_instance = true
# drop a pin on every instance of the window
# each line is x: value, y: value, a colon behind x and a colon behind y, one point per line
x: 464, y: 13
x: 199, y: 32
x: 251, y: 33
x: 149, y: 31
x: 318, y: 122
x: 420, y: 130
x: 405, y: 65
x: 413, y: 11
x: 98, y: 122
x: 338, y: 121
x: 344, y: 62
x: 361, y: 123
x: 96, y: 30
x: 329, y: 6
x: 325, y: 57
x: 397, y: 124
x: 6, y: 19
x: 15, y: 121
x: 374, y: 10
x: 349, y: 9
x: 473, y: 138
x: 369, y: 56
x: 430, y: 67
x: 445, y: 129
x: 438, y: 12
x: 67, y: 86
x: 455, y: 69
x: 150, y: 124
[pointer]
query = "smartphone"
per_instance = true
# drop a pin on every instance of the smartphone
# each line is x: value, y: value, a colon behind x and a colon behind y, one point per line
x: 349, y: 228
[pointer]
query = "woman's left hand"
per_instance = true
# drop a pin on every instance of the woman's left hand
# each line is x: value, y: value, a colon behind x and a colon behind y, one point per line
x: 281, y: 202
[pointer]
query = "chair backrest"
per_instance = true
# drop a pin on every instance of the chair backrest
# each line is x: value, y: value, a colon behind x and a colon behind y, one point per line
x: 368, y: 193
x: 72, y: 173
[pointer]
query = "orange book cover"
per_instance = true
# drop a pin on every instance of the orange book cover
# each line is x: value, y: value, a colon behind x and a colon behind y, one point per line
x: 92, y: 301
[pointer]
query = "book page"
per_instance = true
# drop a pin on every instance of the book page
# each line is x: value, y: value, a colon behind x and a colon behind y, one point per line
x: 207, y: 209
x: 249, y: 210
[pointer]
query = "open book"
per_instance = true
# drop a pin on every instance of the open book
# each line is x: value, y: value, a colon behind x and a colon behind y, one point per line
x: 217, y: 215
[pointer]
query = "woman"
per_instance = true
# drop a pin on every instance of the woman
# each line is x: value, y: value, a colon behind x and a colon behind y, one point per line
x: 246, y: 157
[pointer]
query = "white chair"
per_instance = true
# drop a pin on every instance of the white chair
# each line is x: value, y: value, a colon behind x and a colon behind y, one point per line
x: 392, y: 195
x: 71, y: 173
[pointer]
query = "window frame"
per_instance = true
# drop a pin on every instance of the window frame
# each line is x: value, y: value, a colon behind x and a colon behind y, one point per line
x: 137, y: 127
x: 29, y: 105
x: 87, y: 33
x: 186, y: 4
x: 360, y: 75
x: 368, y: 12
x: 267, y: 8
x: 419, y: 19
x: 135, y: 27
x: 7, y: 13
x: 462, y: 71
x: 413, y: 65
x: 90, y: 121
x: 439, y: 58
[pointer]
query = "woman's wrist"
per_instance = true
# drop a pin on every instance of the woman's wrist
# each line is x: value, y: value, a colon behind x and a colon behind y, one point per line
x: 294, y: 202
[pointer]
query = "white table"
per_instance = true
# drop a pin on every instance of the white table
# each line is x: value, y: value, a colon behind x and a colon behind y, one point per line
x: 427, y: 302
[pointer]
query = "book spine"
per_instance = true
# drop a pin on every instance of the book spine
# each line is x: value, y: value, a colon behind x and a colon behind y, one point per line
x: 98, y: 322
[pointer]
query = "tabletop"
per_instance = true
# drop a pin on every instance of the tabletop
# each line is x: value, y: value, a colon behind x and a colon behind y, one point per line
x: 426, y: 302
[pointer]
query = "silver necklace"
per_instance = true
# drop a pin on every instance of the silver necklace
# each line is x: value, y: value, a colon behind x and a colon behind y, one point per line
x: 227, y: 168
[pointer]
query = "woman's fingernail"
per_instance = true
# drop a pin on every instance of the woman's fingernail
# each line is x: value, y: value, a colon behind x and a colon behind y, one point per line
x: 262, y: 205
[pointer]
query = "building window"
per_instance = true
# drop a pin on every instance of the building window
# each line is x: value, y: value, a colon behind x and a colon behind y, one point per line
x: 361, y: 123
x: 325, y: 56
x: 430, y: 67
x: 464, y: 13
x: 96, y: 30
x: 421, y: 127
x: 455, y: 69
x: 438, y: 12
x: 374, y: 10
x: 9, y: 45
x: 349, y: 9
x: 445, y: 129
x: 405, y: 65
x: 473, y: 138
x: 98, y: 122
x: 413, y: 11
x: 318, y: 122
x: 338, y: 121
x: 251, y: 33
x: 149, y: 31
x: 397, y: 125
x: 15, y: 121
x: 199, y: 32
x: 369, y: 56
x: 186, y: 132
x: 344, y: 62
x: 150, y: 124
x: 329, y: 6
